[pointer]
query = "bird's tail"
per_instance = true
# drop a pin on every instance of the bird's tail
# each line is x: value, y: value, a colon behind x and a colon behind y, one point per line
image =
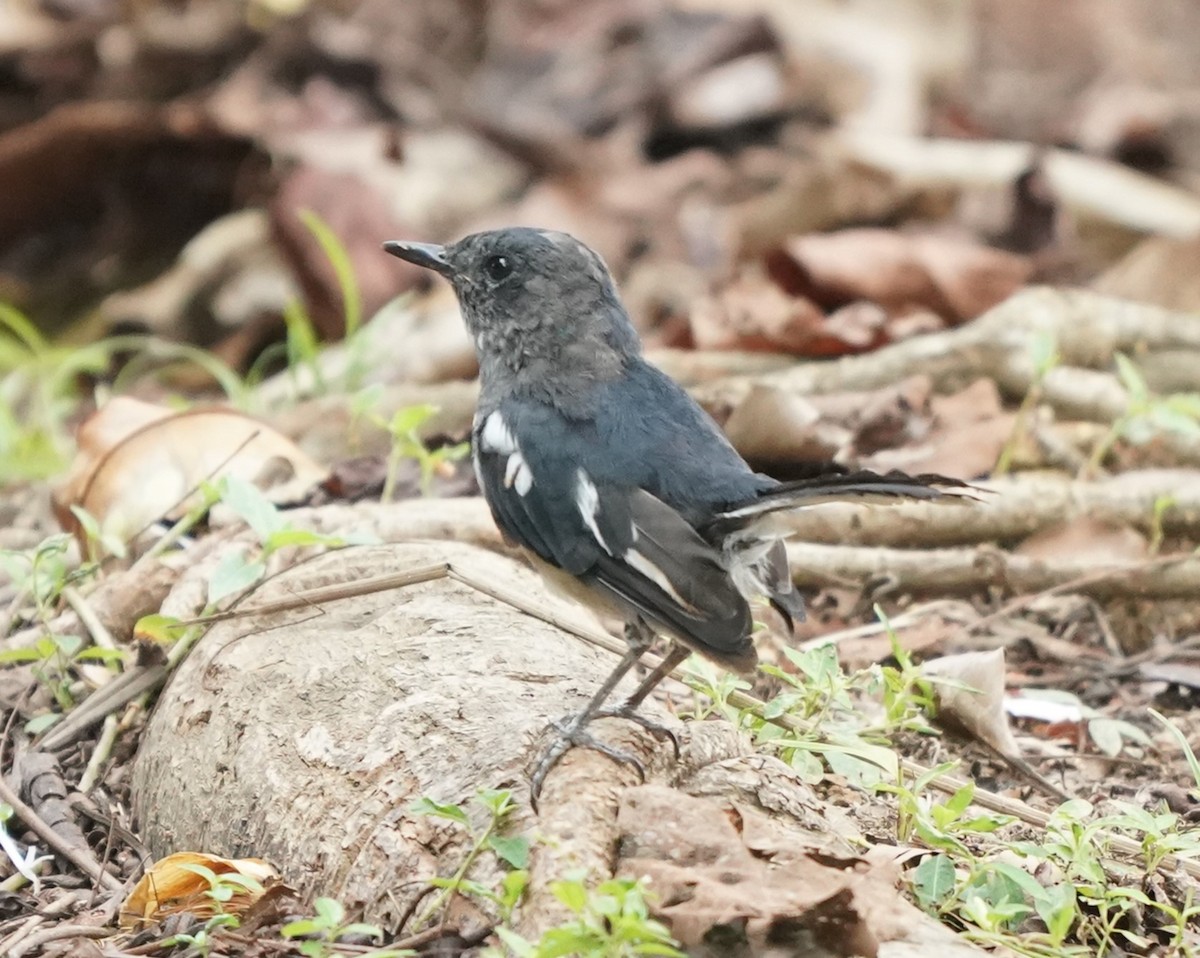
x: 858, y: 486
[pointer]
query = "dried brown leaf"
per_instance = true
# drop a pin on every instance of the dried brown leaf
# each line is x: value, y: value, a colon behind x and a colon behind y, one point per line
x: 168, y: 888
x: 138, y: 463
x: 901, y: 272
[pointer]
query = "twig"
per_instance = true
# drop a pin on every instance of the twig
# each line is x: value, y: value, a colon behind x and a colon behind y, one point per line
x: 100, y: 754
x: 1020, y: 506
x: 99, y: 704
x: 57, y: 933
x: 331, y: 593
x: 1080, y: 584
x: 81, y: 859
x: 87, y: 616
x: 968, y: 570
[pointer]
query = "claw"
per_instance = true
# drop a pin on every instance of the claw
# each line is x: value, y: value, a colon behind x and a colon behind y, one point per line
x: 659, y: 731
x: 571, y: 734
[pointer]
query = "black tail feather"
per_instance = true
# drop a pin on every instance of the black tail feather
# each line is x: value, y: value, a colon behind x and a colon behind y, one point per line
x: 860, y: 485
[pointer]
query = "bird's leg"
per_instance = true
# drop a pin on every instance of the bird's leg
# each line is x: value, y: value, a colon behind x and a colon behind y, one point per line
x: 628, y: 708
x: 571, y: 730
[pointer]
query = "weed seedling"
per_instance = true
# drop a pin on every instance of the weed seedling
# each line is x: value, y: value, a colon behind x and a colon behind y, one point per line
x: 513, y: 851
x: 327, y: 926
x: 610, y: 921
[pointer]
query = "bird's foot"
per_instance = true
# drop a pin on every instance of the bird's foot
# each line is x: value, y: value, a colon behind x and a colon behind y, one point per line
x: 572, y: 734
x: 658, y: 730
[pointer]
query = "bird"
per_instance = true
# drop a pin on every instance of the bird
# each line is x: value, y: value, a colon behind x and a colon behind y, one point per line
x: 620, y: 488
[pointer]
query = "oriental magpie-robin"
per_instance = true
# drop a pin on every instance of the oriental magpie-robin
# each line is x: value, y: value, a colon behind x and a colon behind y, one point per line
x: 608, y: 473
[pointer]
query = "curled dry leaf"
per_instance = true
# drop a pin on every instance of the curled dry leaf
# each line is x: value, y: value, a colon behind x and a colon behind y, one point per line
x: 175, y: 884
x: 138, y: 463
x: 901, y: 272
x: 970, y: 696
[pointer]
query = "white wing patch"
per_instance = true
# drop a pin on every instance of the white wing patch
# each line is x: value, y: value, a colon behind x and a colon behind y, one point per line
x: 654, y: 574
x: 517, y: 473
x: 587, y: 500
x: 496, y: 436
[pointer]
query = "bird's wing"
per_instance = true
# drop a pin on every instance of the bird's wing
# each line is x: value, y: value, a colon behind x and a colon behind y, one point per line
x: 619, y: 539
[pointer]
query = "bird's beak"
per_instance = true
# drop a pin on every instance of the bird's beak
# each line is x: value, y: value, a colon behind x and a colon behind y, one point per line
x: 429, y: 255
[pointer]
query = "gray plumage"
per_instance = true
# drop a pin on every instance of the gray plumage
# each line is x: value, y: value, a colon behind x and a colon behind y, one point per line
x: 602, y: 465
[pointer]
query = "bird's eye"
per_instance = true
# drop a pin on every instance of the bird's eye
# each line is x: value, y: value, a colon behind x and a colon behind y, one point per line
x: 497, y: 267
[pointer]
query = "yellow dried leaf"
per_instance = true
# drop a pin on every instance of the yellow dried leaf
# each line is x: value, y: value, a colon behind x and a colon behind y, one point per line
x: 168, y: 887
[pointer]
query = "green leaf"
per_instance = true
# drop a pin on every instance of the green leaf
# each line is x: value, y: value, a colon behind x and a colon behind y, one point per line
x: 329, y: 911
x: 343, y: 268
x: 957, y: 803
x: 933, y: 880
x: 498, y: 801
x: 203, y: 871
x: 1106, y: 735
x: 299, y: 537
x: 24, y: 653
x: 98, y: 654
x: 362, y: 928
x: 1131, y: 378
x: 23, y: 330
x: 1057, y: 908
x: 515, y: 943
x: 68, y: 645
x: 40, y: 723
x: 408, y: 420
x: 298, y: 929
x: 365, y: 401
x: 569, y: 940
x: 301, y: 335
x: 164, y: 629
x: 512, y: 849
x: 427, y: 806
x: 248, y: 501
x: 571, y: 893
x: 233, y: 573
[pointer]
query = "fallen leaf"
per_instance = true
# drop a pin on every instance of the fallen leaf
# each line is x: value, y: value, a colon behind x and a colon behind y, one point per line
x: 754, y: 313
x: 138, y: 463
x: 970, y: 695
x: 955, y: 277
x: 968, y: 431
x: 168, y: 887
x: 773, y: 426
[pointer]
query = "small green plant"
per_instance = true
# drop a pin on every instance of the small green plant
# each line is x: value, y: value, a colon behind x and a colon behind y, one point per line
x: 38, y: 391
x: 1045, y: 357
x: 53, y: 656
x: 816, y: 720
x: 303, y: 346
x: 512, y: 850
x: 1146, y: 415
x: 940, y: 825
x: 404, y: 428
x: 327, y: 926
x: 43, y: 572
x: 240, y: 570
x: 42, y: 386
x: 222, y: 887
x: 610, y: 921
x: 200, y: 941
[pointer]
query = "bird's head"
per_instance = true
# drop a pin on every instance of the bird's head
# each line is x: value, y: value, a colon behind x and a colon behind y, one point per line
x: 537, y: 303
